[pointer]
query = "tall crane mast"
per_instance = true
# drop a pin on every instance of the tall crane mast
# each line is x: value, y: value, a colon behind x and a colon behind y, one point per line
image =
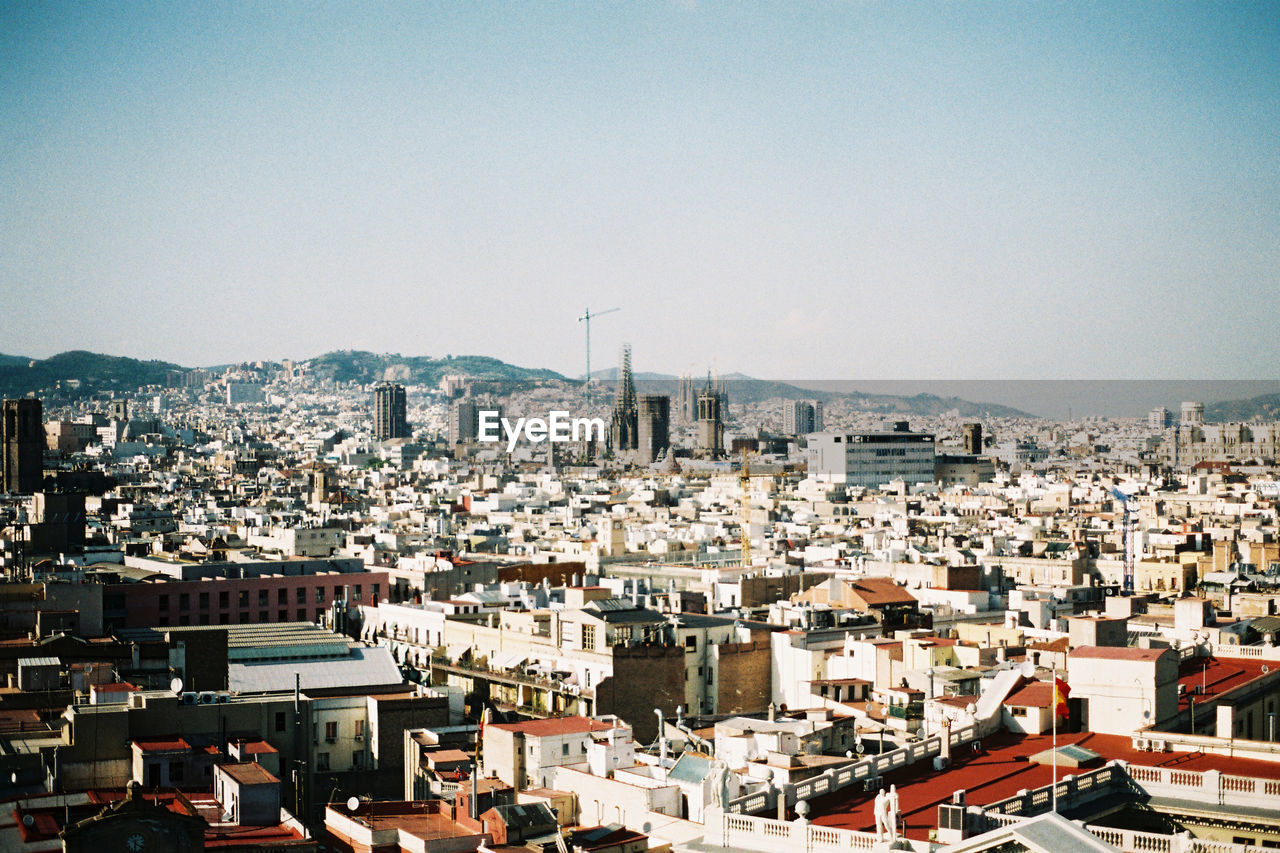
x: 586, y: 318
x: 744, y: 479
x: 1128, y: 536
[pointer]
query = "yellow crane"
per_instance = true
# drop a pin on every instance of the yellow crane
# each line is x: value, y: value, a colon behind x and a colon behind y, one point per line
x: 744, y: 479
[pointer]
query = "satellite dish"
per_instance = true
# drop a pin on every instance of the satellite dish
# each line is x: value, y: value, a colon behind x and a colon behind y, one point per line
x: 353, y: 804
x: 920, y: 733
x: 28, y: 820
x: 176, y: 685
x: 1028, y: 669
x: 862, y: 747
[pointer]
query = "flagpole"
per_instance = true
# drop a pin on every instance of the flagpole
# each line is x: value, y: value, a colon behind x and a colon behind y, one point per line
x: 1054, y: 712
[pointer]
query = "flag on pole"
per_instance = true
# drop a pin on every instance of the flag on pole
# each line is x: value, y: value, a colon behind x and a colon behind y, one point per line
x: 1060, y: 693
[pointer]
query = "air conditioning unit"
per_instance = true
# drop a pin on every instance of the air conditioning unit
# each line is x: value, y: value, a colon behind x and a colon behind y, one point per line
x: 189, y: 698
x: 941, y: 763
x: 224, y: 698
x: 208, y: 697
x: 359, y: 737
x: 1142, y: 744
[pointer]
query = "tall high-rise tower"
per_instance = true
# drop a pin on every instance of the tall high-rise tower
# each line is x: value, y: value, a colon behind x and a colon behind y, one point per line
x: 22, y: 440
x: 972, y: 439
x: 800, y: 417
x: 711, y: 420
x: 654, y: 426
x: 390, y: 413
x: 686, y: 400
x: 623, y: 426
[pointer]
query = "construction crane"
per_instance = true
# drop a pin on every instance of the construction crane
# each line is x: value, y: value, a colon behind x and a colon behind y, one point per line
x: 586, y: 318
x: 744, y: 479
x: 1128, y: 550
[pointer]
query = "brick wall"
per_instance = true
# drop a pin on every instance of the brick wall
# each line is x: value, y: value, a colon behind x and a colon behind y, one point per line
x: 743, y: 671
x: 644, y: 678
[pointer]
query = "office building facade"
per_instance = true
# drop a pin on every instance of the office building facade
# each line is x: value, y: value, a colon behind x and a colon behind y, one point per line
x: 390, y: 412
x: 871, y: 459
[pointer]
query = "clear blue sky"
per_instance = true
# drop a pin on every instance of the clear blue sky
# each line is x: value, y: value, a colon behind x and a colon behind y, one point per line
x: 820, y: 190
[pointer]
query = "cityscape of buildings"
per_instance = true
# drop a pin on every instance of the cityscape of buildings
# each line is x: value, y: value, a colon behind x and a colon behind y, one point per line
x: 324, y: 528
x: 267, y: 609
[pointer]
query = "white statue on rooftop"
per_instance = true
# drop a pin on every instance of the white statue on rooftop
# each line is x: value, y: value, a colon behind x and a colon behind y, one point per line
x: 881, y: 813
x: 891, y: 808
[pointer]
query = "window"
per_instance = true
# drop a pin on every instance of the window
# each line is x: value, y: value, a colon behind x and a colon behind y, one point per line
x: 224, y: 599
x: 164, y: 602
x: 1018, y: 712
x: 359, y: 728
x: 262, y: 598
x: 357, y: 759
x: 184, y: 601
x: 373, y: 592
x: 244, y: 598
x: 319, y: 595
x: 331, y: 730
x: 355, y: 592
x: 282, y: 616
x: 301, y: 597
x: 204, y: 601
x: 589, y: 637
x: 176, y: 770
x: 282, y: 596
x: 279, y: 721
x: 302, y: 615
x: 564, y: 749
x: 322, y: 761
x: 262, y: 616
x: 691, y: 642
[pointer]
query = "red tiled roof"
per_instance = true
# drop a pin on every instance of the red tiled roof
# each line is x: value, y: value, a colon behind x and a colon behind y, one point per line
x: 1037, y: 695
x: 880, y: 591
x: 1000, y: 771
x: 1118, y: 653
x: 1216, y: 676
x: 117, y: 687
x: 159, y: 745
x: 257, y: 747
x: 248, y: 773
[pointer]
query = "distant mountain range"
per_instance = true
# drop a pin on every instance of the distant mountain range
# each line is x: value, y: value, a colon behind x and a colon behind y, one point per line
x: 1265, y: 407
x: 360, y: 366
x: 79, y: 374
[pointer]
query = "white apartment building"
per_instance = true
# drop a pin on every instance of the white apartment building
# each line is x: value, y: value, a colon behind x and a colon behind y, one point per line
x: 869, y: 460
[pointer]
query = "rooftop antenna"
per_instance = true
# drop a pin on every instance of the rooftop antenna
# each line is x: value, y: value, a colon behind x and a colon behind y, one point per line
x: 586, y: 318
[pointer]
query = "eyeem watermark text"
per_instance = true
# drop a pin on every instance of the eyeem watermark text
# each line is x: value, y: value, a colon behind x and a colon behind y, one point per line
x: 557, y: 426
